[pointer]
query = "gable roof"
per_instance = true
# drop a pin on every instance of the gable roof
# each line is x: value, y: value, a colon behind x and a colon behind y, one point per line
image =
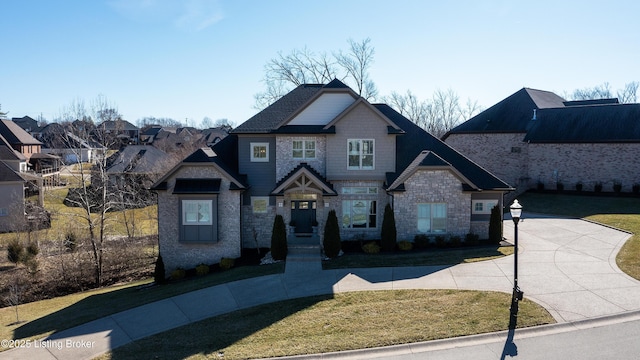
x: 7, y: 174
x: 137, y: 159
x: 120, y: 125
x: 26, y: 123
x: 315, y: 178
x: 511, y: 115
x: 15, y: 135
x: 416, y: 140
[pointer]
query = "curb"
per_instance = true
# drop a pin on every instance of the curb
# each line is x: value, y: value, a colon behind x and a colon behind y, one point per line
x: 472, y: 340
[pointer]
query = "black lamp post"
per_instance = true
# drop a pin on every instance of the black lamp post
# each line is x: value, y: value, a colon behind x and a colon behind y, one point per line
x: 516, y: 212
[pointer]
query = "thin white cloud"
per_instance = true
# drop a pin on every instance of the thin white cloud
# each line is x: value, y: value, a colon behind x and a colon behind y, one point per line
x: 186, y: 15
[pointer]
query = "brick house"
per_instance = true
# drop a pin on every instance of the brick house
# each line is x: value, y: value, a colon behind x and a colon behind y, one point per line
x: 536, y: 137
x: 319, y: 148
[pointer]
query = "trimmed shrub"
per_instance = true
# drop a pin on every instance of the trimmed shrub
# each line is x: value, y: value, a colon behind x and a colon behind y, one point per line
x: 279, y: 239
x: 455, y: 241
x: 202, y: 269
x: 159, y: 271
x: 421, y: 241
x: 471, y: 239
x: 405, y: 245
x: 495, y: 225
x: 178, y: 274
x: 331, y: 241
x: 388, y: 234
x: 579, y: 186
x: 636, y: 188
x: 371, y: 248
x: 227, y: 263
x: 617, y: 187
x: 597, y: 187
x: 32, y: 251
x: 441, y: 241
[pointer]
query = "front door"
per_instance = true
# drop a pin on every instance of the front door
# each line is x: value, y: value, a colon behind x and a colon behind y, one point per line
x: 303, y: 213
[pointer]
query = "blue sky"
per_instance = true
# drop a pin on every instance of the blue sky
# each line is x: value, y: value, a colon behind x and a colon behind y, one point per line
x: 187, y: 59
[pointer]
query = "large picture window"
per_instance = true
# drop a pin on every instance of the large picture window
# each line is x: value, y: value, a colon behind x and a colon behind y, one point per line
x: 196, y: 212
x: 360, y: 154
x: 432, y: 218
x: 304, y: 149
x: 359, y: 214
x: 260, y: 152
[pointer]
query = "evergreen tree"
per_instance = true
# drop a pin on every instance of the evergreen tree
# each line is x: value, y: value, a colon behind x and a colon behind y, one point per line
x: 332, y: 242
x: 388, y: 234
x: 495, y: 225
x: 279, y: 239
x: 159, y: 272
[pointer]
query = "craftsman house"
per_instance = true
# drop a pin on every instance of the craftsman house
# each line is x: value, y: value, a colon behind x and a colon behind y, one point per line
x: 319, y: 148
x: 535, y: 138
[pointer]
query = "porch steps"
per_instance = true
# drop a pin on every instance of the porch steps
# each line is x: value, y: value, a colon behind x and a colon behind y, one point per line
x: 303, y: 255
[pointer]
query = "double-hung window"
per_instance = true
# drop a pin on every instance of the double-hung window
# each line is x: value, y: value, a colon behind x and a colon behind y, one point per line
x: 304, y: 149
x: 360, y: 154
x: 359, y: 214
x: 432, y: 218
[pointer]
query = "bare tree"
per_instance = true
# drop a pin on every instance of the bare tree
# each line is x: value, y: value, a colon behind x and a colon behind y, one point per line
x: 304, y: 66
x: 602, y: 91
x: 628, y: 94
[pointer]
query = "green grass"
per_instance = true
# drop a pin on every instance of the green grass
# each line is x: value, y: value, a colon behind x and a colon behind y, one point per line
x: 336, y: 322
x: 619, y: 212
x: 44, y: 317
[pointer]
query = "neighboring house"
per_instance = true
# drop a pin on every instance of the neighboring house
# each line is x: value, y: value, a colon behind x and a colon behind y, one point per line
x: 70, y: 148
x: 27, y: 124
x: 12, y: 206
x: 124, y: 131
x: 19, y: 139
x: 536, y: 137
x: 137, y: 167
x: 319, y: 148
x: 11, y: 157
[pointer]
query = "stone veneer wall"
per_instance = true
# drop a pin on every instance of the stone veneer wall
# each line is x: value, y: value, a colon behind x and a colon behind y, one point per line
x: 432, y: 186
x: 261, y: 224
x: 284, y: 152
x: 188, y: 255
x: 588, y: 163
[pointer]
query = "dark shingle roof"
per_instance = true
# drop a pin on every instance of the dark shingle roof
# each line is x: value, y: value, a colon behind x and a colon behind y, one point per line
x: 197, y: 186
x: 415, y: 140
x: 14, y: 134
x: 269, y: 118
x: 137, y: 159
x: 7, y: 174
x: 587, y: 124
x: 512, y: 114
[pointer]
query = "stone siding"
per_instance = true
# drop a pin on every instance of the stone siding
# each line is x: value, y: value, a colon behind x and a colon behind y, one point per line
x: 188, y: 255
x: 431, y: 186
x: 284, y: 155
x: 257, y: 228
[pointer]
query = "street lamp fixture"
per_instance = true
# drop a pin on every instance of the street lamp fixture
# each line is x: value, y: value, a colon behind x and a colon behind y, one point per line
x: 516, y: 212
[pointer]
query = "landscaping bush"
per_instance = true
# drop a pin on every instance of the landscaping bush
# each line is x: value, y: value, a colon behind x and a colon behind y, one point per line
x: 70, y: 241
x: 279, y: 239
x: 371, y: 248
x: 331, y: 241
x: 579, y: 186
x: 388, y: 234
x: 636, y: 188
x: 178, y: 274
x: 202, y: 269
x: 15, y: 251
x: 559, y: 186
x: 495, y: 225
x: 455, y: 241
x: 227, y: 263
x: 441, y: 241
x: 159, y: 271
x: 597, y: 187
x: 421, y: 241
x: 405, y: 245
x: 471, y: 239
x: 617, y: 187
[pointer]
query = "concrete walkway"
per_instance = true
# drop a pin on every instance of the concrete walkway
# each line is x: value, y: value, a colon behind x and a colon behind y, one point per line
x: 566, y: 265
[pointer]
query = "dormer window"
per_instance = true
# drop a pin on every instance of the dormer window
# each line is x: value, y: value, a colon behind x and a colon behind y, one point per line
x: 304, y: 149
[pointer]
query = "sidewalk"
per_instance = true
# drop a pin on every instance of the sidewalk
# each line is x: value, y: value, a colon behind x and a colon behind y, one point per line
x: 566, y: 265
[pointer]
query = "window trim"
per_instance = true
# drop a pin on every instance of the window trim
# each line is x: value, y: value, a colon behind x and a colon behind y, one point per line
x: 360, y: 155
x: 303, y: 149
x: 487, y: 205
x: 253, y: 145
x: 431, y: 217
x: 186, y: 202
x: 368, y: 204
x: 259, y: 198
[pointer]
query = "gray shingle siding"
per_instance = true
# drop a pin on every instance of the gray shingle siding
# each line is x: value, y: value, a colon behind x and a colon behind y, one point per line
x: 261, y: 175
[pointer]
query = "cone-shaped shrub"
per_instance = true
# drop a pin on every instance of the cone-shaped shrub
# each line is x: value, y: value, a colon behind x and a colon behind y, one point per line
x: 159, y: 272
x: 331, y: 241
x: 388, y: 233
x: 279, y: 239
x: 495, y: 226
